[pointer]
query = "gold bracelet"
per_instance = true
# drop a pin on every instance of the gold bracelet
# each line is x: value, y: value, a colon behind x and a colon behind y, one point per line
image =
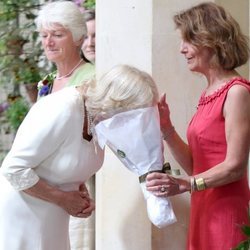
x: 200, y: 184
x: 192, y: 184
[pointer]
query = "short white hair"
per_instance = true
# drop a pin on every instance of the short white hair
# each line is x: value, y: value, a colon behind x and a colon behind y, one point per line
x: 64, y: 13
x: 121, y: 89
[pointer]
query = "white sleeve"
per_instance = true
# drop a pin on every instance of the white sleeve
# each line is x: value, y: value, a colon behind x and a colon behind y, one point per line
x: 40, y: 134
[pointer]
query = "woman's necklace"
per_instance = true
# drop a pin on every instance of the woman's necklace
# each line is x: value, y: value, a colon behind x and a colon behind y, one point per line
x: 88, y: 124
x: 61, y: 77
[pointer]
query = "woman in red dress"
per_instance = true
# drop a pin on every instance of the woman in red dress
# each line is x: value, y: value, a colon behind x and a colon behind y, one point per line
x: 216, y: 155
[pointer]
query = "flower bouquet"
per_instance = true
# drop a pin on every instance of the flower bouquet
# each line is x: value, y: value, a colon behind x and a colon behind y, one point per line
x: 135, y: 138
x: 44, y: 86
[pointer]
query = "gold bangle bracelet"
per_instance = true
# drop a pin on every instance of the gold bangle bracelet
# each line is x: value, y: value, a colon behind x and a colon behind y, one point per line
x: 200, y: 184
x: 192, y: 184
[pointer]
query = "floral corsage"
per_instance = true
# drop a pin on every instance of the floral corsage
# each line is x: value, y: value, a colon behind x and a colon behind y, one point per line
x: 45, y: 85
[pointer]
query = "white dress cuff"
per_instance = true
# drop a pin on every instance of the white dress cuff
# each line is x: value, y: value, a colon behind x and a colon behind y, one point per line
x: 22, y: 180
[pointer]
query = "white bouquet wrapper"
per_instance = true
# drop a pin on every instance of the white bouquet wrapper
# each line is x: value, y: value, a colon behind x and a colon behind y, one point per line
x: 135, y: 137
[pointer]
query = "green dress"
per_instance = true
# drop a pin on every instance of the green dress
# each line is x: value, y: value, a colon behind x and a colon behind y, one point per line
x: 81, y: 75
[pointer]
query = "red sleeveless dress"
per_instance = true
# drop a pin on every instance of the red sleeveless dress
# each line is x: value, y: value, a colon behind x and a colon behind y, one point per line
x: 216, y: 213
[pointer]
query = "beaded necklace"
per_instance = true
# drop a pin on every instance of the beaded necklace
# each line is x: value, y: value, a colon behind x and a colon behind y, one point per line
x: 67, y: 75
x: 88, y: 124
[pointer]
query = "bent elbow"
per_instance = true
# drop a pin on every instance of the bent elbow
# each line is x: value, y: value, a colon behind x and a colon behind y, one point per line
x: 237, y: 173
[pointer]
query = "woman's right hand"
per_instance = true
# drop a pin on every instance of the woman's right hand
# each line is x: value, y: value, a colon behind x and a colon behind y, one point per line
x: 164, y: 112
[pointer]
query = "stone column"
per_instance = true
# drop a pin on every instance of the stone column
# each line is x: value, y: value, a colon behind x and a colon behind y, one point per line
x: 124, y: 35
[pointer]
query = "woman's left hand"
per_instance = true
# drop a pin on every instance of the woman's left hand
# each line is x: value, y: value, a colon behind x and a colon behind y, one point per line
x: 161, y: 184
x: 86, y: 212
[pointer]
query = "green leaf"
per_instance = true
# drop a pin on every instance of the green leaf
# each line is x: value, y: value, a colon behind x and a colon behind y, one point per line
x: 246, y: 230
x: 244, y: 245
x: 89, y: 4
x: 16, y: 112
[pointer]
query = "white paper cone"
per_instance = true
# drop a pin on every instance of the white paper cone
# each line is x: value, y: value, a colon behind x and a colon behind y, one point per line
x: 160, y: 211
x: 135, y: 137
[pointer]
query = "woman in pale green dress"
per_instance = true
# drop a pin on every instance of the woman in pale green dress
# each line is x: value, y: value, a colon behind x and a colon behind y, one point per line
x: 62, y: 37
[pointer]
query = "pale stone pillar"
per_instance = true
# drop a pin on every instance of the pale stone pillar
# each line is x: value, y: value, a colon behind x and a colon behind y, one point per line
x: 124, y: 35
x: 141, y: 33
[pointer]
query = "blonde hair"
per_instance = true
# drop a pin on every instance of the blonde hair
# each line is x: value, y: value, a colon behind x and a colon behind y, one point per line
x: 209, y: 25
x: 64, y: 13
x: 120, y: 89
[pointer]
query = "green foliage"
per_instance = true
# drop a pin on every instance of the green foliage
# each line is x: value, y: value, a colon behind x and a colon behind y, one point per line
x: 16, y: 112
x: 89, y: 4
x: 246, y: 230
x: 30, y: 73
x: 9, y: 9
x: 21, y: 61
x: 20, y: 50
x: 244, y: 245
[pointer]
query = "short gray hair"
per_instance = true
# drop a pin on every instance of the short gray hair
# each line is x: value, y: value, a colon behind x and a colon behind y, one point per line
x: 64, y: 13
x: 122, y: 88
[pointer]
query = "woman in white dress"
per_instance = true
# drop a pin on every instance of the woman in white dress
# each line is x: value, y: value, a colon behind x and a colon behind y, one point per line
x: 62, y: 29
x: 48, y: 161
